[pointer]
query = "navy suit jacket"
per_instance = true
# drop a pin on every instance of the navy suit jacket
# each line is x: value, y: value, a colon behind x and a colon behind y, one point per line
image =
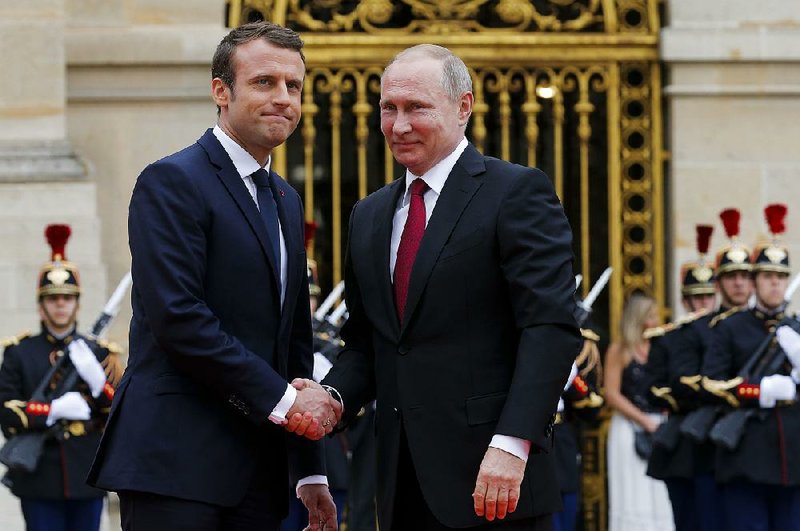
x: 488, y: 340
x: 211, y: 349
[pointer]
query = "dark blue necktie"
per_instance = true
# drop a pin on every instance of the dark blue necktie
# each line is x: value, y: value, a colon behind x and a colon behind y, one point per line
x: 269, y: 211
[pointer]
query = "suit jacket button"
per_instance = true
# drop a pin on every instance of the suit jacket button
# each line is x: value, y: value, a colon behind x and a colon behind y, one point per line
x: 396, y: 412
x: 403, y: 350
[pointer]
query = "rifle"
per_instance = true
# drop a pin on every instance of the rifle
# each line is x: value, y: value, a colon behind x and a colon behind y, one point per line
x: 584, y: 307
x: 110, y: 310
x: 326, y: 336
x: 318, y: 319
x: 729, y: 429
x: 22, y: 452
x: 700, y: 422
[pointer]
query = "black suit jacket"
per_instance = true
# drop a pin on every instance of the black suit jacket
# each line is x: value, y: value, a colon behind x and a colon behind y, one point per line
x: 211, y: 349
x: 488, y: 340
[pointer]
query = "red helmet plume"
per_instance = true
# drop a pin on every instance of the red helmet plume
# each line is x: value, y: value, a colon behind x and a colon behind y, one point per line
x: 730, y: 221
x: 704, y: 238
x: 775, y: 214
x: 310, y: 229
x: 57, y: 236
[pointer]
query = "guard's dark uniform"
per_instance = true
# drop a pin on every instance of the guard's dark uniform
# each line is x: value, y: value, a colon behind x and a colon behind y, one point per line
x: 686, y: 467
x: 67, y: 456
x: 673, y: 374
x: 55, y: 494
x: 581, y: 403
x: 766, y: 464
x: 761, y: 476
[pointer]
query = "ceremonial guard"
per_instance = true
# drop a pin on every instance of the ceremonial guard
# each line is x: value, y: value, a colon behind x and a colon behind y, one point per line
x: 55, y: 391
x: 580, y: 402
x: 676, y: 355
x: 758, y: 437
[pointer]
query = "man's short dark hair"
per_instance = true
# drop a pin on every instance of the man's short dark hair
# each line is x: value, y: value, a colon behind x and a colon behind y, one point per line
x: 222, y: 65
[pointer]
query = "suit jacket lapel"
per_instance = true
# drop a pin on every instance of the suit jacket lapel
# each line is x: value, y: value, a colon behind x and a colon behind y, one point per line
x: 232, y: 181
x: 458, y: 190
x: 382, y: 242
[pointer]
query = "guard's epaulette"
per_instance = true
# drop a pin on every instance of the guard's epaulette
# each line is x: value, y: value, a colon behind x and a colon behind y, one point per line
x: 692, y: 317
x: 724, y: 315
x: 110, y: 346
x: 14, y: 340
x: 658, y: 331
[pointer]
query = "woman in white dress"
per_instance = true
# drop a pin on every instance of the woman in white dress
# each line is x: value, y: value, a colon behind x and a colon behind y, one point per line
x: 636, y: 502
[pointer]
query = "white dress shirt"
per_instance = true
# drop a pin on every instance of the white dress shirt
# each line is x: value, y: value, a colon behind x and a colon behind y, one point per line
x: 246, y: 165
x: 435, y: 179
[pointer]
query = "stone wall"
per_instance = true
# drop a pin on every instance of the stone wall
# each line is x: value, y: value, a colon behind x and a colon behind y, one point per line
x: 42, y: 180
x: 733, y: 89
x: 138, y: 89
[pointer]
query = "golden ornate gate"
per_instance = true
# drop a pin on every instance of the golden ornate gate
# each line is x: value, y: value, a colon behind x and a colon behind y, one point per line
x: 570, y: 86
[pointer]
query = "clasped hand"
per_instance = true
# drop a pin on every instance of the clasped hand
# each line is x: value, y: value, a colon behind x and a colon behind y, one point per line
x: 314, y: 412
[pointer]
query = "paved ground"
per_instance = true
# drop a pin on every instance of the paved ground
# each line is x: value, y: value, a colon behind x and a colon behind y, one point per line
x: 11, y: 515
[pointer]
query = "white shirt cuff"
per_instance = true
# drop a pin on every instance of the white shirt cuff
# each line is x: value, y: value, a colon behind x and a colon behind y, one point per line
x: 278, y: 415
x: 513, y: 445
x: 317, y: 479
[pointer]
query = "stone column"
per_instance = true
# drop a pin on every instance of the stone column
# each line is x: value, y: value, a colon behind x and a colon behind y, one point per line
x: 41, y: 179
x: 138, y: 89
x: 734, y: 98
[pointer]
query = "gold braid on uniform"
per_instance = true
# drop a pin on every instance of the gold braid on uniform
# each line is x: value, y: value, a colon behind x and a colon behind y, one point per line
x: 692, y: 382
x: 590, y: 355
x: 723, y: 389
x: 14, y: 340
x: 111, y: 363
x: 725, y: 315
x: 18, y: 407
x: 665, y: 394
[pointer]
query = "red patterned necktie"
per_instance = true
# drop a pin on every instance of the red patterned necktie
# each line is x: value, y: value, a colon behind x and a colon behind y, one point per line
x: 409, y: 245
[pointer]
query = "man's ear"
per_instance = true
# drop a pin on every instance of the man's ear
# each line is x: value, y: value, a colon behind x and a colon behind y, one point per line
x: 465, y: 108
x: 221, y: 92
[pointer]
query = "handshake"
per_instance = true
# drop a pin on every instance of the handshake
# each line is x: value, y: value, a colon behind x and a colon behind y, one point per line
x: 314, y: 413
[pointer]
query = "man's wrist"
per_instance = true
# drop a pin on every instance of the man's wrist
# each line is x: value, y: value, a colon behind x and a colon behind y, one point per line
x: 512, y: 445
x: 317, y: 479
x: 335, y: 394
x: 278, y: 415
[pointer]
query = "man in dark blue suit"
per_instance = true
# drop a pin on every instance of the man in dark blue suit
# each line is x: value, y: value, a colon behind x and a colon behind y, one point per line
x: 221, y: 319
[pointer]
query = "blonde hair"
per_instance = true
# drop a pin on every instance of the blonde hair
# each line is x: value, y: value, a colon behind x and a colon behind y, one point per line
x: 634, y: 315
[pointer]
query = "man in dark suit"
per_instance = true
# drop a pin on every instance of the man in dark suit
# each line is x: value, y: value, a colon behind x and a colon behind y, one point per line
x: 221, y: 318
x: 461, y: 298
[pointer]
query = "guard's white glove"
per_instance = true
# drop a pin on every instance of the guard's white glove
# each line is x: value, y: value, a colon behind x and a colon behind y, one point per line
x: 789, y: 341
x: 776, y: 387
x: 69, y: 406
x: 87, y: 366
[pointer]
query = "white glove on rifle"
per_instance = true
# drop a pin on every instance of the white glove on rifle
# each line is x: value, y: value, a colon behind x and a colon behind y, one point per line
x: 776, y: 387
x: 69, y: 406
x: 87, y: 366
x: 789, y: 341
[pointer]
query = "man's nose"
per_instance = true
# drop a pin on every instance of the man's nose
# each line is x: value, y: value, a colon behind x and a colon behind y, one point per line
x: 402, y: 123
x: 281, y: 95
